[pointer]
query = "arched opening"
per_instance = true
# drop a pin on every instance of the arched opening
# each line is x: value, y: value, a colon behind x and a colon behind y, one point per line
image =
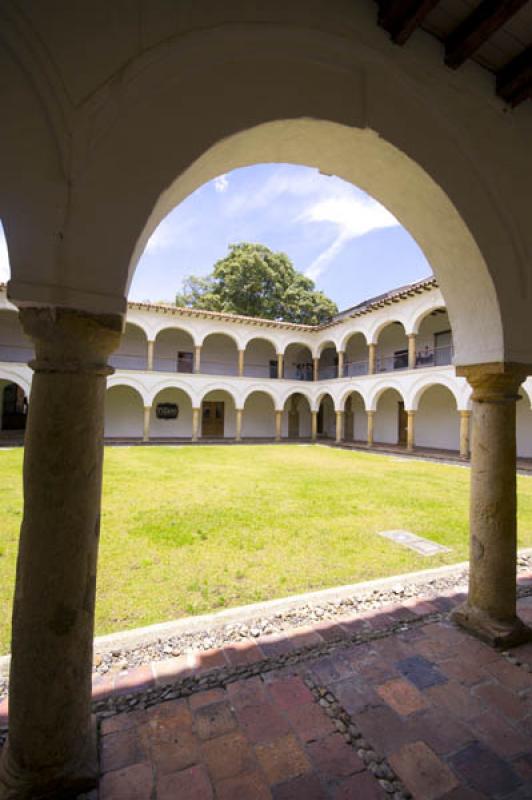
x: 298, y: 364
x: 524, y: 426
x: 258, y: 419
x: 326, y: 423
x: 434, y: 340
x: 13, y: 407
x: 355, y: 419
x: 328, y: 362
x: 297, y: 420
x: 219, y: 355
x: 356, y: 356
x: 260, y: 359
x: 171, y: 415
x: 133, y: 351
x: 390, y: 424
x: 124, y: 413
x: 218, y: 415
x: 173, y: 351
x: 392, y: 348
x: 437, y: 419
x: 15, y: 346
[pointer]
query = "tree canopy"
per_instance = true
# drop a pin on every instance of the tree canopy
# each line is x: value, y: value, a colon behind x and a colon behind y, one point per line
x: 254, y: 281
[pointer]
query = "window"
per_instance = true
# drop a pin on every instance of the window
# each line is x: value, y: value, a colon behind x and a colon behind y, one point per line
x: 273, y: 368
x: 400, y: 359
x: 185, y: 362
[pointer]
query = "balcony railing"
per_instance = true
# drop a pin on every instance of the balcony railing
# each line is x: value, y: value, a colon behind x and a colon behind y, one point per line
x: 260, y: 370
x: 435, y: 357
x: 218, y: 367
x: 16, y: 353
x: 353, y: 368
x: 328, y: 372
x: 300, y: 372
x: 125, y: 361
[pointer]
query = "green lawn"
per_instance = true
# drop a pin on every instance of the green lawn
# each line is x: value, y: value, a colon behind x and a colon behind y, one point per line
x: 193, y: 529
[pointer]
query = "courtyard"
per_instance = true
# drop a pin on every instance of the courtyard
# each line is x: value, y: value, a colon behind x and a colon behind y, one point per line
x: 189, y: 530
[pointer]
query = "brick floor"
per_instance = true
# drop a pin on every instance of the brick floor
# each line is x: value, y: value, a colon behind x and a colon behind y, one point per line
x: 449, y: 716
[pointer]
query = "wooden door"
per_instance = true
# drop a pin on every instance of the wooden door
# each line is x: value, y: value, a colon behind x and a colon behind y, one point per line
x: 212, y: 419
x: 402, y: 422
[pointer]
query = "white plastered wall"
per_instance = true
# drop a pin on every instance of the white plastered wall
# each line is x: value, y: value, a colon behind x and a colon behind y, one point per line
x: 386, y: 419
x: 181, y: 427
x: 229, y: 410
x: 124, y: 413
x: 437, y: 422
x: 258, y: 419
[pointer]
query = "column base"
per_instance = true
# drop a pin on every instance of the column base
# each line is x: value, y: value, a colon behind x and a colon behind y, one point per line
x: 55, y: 783
x: 501, y: 634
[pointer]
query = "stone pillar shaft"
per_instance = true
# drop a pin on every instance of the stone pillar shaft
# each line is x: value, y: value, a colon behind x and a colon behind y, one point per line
x: 412, y: 350
x: 151, y: 347
x: 195, y: 423
x: 197, y: 358
x: 280, y: 365
x: 241, y: 354
x: 238, y: 433
x: 372, y: 359
x: 410, y: 430
x: 314, y: 425
x: 146, y: 428
x: 465, y: 417
x: 371, y: 425
x: 51, y: 744
x: 278, y: 425
x: 315, y: 369
x: 339, y: 425
x: 341, y: 355
x: 490, y: 609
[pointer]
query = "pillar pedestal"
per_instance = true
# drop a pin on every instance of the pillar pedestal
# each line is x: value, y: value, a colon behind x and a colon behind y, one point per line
x: 490, y: 609
x: 410, y: 430
x: 465, y: 417
x: 278, y: 425
x: 195, y: 424
x: 339, y: 425
x: 314, y: 425
x: 51, y: 747
x: 238, y: 427
x: 371, y: 425
x: 412, y: 350
x: 372, y: 359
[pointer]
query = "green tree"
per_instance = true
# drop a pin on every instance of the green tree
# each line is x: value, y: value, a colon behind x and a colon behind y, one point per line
x: 254, y: 281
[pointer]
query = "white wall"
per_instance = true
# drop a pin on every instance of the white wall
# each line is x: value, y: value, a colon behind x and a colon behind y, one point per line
x: 257, y: 358
x: 386, y: 418
x: 167, y: 346
x: 258, y: 418
x: 295, y: 354
x: 305, y: 418
x: 180, y: 427
x: 437, y: 422
x: 229, y: 411
x: 124, y: 413
x: 329, y: 418
x: 391, y: 338
x: 360, y: 420
x: 524, y: 427
x: 219, y: 355
x: 355, y: 352
x: 133, y: 350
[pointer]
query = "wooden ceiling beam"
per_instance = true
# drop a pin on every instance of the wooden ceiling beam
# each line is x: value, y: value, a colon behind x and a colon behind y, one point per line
x: 476, y: 29
x: 514, y: 81
x: 401, y: 17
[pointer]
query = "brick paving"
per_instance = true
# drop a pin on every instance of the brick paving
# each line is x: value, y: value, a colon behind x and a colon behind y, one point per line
x: 422, y: 710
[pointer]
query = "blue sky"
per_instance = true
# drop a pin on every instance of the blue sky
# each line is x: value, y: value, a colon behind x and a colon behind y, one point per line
x: 348, y: 243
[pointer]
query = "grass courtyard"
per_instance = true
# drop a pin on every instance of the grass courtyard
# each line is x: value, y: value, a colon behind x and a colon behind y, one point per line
x: 189, y: 530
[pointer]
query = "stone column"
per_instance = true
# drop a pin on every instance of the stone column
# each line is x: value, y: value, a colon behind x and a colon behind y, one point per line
x: 315, y: 369
x: 278, y: 425
x: 51, y: 748
x: 410, y: 430
x: 464, y: 433
x: 197, y: 358
x: 280, y: 365
x: 314, y: 425
x: 151, y: 346
x: 490, y: 609
x: 146, y: 429
x: 372, y: 359
x: 241, y: 363
x: 341, y: 355
x: 195, y: 424
x: 412, y: 350
x: 339, y: 425
x: 371, y: 425
x: 238, y: 430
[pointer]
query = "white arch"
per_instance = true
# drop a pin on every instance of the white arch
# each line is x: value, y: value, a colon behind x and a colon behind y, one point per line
x: 297, y: 343
x: 378, y: 389
x: 353, y: 332
x: 172, y: 326
x: 374, y: 333
x: 342, y: 400
x: 138, y: 322
x: 318, y: 348
x: 305, y: 393
x: 415, y: 322
x: 320, y: 396
x: 220, y: 332
x: 418, y: 389
x: 264, y: 390
x: 113, y: 381
x: 15, y: 376
x: 275, y: 343
x: 170, y: 383
x: 219, y: 386
x: 527, y: 389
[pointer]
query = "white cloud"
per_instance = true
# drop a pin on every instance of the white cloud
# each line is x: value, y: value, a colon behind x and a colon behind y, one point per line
x: 354, y: 214
x: 169, y: 234
x: 221, y: 183
x: 5, y: 270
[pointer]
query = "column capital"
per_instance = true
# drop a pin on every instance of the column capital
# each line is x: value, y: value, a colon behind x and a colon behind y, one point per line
x: 68, y: 340
x: 370, y: 412
x: 496, y: 382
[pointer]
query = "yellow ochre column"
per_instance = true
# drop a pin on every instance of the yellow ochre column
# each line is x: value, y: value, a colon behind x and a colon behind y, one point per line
x: 314, y: 425
x: 372, y: 359
x: 371, y: 425
x: 197, y: 358
x: 151, y: 345
x: 490, y: 609
x: 146, y: 426
x: 195, y: 424
x: 412, y: 350
x: 278, y: 425
x: 341, y: 355
x: 238, y: 433
x: 315, y: 369
x: 410, y: 430
x: 280, y: 365
x: 465, y: 417
x: 339, y: 426
x: 241, y: 363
